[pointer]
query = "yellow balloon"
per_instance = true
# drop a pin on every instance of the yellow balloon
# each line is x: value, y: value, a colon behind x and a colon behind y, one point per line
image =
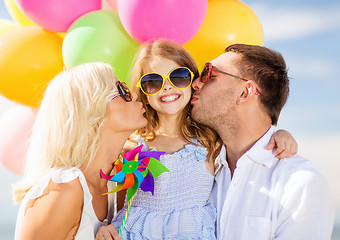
x: 15, y: 12
x: 30, y: 58
x: 7, y: 25
x: 227, y: 22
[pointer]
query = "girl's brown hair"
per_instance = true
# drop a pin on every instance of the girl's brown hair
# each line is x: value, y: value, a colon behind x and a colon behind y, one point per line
x: 189, y: 129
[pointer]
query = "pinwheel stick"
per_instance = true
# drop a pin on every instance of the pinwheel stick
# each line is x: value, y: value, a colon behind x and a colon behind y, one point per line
x: 125, y: 217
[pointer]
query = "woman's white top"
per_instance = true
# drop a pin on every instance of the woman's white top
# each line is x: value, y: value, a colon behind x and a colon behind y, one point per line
x: 89, y: 223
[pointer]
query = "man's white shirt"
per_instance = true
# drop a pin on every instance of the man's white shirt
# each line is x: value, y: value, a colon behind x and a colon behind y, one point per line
x: 269, y: 198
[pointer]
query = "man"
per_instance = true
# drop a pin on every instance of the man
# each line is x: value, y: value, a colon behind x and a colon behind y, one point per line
x: 240, y: 94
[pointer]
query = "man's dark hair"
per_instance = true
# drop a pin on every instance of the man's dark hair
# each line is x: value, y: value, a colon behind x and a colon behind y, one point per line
x: 268, y: 69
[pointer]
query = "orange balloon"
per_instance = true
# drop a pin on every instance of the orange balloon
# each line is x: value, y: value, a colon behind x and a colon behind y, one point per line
x: 227, y: 22
x: 16, y: 128
x: 30, y: 58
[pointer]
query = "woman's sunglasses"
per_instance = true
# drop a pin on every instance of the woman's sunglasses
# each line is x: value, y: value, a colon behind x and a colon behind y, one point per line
x: 208, y: 68
x: 152, y: 83
x: 123, y: 91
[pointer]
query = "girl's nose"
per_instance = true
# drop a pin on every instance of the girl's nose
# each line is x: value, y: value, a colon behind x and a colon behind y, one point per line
x: 167, y: 84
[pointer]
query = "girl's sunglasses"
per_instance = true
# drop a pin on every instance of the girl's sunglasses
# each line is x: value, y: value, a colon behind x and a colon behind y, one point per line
x: 208, y: 68
x: 152, y: 83
x: 123, y: 91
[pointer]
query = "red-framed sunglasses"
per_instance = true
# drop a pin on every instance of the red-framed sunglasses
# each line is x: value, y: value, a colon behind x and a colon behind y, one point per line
x: 208, y: 68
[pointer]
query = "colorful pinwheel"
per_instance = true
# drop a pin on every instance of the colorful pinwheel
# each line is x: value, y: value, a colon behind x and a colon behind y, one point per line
x: 137, y: 170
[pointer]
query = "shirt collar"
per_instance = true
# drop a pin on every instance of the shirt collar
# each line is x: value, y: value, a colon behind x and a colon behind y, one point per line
x: 257, y: 153
x: 222, y: 159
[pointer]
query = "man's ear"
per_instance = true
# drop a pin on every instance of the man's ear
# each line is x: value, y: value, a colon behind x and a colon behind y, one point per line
x: 248, y: 91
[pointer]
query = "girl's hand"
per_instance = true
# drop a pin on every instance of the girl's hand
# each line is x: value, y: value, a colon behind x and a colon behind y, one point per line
x: 284, y: 143
x: 108, y: 232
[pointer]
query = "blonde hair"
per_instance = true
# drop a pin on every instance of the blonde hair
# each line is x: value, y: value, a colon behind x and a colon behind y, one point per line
x: 189, y: 129
x: 66, y: 132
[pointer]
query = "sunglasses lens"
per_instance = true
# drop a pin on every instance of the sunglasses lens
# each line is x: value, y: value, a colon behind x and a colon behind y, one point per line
x: 205, y: 73
x: 180, y: 77
x: 151, y: 83
x: 125, y: 92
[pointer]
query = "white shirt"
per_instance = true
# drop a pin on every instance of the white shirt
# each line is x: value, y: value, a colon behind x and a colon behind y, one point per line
x: 269, y: 198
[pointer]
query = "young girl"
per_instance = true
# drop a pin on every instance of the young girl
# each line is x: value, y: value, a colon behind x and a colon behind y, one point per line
x: 180, y: 207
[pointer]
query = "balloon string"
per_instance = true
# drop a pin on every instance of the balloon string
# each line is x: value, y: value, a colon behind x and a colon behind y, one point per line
x: 125, y: 217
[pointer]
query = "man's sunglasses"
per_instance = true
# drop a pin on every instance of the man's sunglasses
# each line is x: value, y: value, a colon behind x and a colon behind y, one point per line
x: 208, y: 68
x: 123, y: 91
x: 152, y: 83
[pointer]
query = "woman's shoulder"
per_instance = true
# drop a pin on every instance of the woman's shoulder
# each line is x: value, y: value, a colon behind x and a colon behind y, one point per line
x: 58, y: 201
x: 58, y: 195
x: 60, y: 188
x: 68, y: 188
x: 67, y: 195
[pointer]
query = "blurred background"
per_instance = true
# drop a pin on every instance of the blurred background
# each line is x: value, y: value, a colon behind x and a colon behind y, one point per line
x: 307, y: 33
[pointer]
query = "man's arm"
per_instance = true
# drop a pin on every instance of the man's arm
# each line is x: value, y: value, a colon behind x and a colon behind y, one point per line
x: 306, y: 208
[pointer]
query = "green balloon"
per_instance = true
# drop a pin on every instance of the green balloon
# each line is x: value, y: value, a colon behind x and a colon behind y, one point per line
x: 99, y: 36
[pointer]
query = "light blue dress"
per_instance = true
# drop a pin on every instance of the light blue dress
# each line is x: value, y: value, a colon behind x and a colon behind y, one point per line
x: 180, y: 207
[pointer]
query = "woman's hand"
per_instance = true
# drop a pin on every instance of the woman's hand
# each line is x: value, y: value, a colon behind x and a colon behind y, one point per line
x: 284, y: 143
x: 108, y: 232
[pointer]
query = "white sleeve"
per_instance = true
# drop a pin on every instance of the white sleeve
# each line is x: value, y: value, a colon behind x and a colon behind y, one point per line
x: 306, y: 209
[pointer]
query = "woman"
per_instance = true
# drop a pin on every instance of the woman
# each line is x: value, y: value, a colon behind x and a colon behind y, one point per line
x: 84, y: 120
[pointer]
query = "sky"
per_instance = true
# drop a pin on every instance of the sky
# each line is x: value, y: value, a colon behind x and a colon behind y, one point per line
x: 307, y: 33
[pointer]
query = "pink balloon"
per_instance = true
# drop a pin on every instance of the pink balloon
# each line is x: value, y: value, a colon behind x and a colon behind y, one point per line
x: 176, y: 20
x: 15, y: 127
x: 57, y: 15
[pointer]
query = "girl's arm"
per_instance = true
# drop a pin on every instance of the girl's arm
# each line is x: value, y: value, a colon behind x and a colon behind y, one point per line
x: 284, y: 143
x: 56, y: 214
